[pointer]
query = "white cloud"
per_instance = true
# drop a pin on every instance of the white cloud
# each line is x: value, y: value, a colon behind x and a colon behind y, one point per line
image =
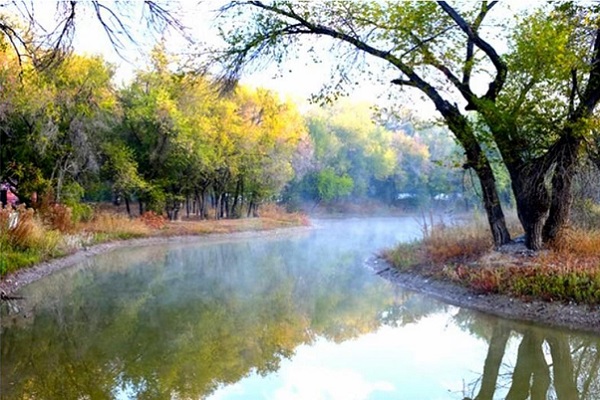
x: 319, y: 382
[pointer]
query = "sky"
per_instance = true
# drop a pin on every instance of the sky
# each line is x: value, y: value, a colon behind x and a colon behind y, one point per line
x: 296, y: 79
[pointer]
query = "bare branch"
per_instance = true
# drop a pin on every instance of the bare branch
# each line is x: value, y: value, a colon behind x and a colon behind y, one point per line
x: 501, y: 69
x: 318, y: 29
x: 50, y: 46
x: 403, y: 82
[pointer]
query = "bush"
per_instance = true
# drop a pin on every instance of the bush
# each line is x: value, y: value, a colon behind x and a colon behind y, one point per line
x: 24, y: 240
x: 58, y: 216
x: 153, y: 220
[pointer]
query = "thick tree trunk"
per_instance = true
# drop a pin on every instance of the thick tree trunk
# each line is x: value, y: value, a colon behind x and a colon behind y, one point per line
x: 562, y: 194
x: 533, y: 202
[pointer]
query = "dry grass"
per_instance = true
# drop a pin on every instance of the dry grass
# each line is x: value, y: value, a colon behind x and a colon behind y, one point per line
x: 569, y: 271
x: 578, y: 242
x: 116, y: 226
x: 24, y: 239
x: 273, y: 212
x: 442, y: 244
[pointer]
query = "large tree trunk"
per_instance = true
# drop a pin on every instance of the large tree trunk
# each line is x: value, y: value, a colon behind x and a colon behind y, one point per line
x: 562, y: 193
x: 533, y: 201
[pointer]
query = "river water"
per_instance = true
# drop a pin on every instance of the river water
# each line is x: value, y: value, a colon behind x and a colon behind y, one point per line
x: 290, y: 316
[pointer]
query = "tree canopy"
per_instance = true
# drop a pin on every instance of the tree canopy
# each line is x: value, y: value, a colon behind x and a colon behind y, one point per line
x: 441, y: 51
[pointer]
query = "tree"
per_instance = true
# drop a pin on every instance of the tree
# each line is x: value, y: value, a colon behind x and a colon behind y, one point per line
x: 35, y: 47
x: 54, y: 124
x: 374, y: 28
x: 433, y: 46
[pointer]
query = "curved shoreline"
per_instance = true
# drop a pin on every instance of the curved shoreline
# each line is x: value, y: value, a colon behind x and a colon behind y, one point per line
x: 577, y: 317
x: 569, y: 316
x: 23, y: 277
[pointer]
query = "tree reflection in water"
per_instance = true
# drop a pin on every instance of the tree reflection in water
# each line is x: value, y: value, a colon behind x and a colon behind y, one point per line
x: 550, y: 364
x: 180, y: 322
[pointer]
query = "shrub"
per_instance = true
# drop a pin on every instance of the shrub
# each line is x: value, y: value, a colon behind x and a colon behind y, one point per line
x: 153, y: 220
x: 58, y: 216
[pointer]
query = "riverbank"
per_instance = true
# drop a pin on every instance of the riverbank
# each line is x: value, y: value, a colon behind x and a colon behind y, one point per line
x: 572, y: 316
x: 559, y: 286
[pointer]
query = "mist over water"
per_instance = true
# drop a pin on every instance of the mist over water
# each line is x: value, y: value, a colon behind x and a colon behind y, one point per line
x: 292, y: 316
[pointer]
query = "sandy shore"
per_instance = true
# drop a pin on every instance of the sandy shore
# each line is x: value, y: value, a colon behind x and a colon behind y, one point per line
x: 554, y: 314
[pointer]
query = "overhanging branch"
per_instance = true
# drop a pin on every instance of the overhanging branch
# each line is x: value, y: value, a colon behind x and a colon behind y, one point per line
x: 501, y: 69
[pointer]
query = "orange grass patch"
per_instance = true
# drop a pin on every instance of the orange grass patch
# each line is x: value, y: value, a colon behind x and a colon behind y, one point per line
x: 569, y: 271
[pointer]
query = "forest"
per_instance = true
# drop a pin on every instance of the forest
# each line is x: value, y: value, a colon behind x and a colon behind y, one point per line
x: 182, y: 140
x: 169, y: 142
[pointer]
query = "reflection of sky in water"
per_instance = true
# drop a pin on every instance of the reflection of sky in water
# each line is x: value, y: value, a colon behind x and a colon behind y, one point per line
x: 428, y: 360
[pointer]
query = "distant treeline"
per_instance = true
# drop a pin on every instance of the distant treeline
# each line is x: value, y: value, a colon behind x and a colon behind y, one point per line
x: 171, y: 142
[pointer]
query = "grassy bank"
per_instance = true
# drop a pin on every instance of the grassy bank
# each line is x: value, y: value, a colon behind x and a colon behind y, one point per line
x: 568, y: 271
x: 37, y: 236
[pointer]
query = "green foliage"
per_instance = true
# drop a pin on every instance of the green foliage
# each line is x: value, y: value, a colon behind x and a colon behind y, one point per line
x: 331, y: 186
x: 167, y: 137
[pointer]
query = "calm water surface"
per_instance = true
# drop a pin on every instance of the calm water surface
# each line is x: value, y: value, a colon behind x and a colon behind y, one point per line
x: 297, y: 316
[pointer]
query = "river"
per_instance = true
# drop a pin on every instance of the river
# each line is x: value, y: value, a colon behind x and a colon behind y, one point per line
x: 295, y: 315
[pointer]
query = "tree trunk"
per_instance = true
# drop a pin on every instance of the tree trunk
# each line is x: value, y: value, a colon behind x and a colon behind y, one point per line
x: 478, y: 160
x: 493, y: 208
x: 562, y: 194
x: 141, y: 206
x: 250, y: 207
x: 127, y: 207
x: 239, y: 189
x: 533, y: 201
x: 202, y: 205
